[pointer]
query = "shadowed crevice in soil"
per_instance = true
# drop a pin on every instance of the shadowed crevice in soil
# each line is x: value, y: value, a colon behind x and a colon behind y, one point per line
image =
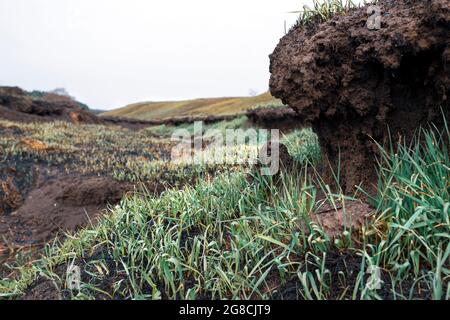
x: 282, y: 118
x: 351, y: 83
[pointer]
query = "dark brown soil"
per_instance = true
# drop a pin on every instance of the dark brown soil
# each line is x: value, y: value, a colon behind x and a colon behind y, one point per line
x: 284, y: 119
x: 43, y: 289
x: 139, y: 124
x: 65, y: 203
x: 338, y: 262
x: 351, y: 217
x: 351, y: 83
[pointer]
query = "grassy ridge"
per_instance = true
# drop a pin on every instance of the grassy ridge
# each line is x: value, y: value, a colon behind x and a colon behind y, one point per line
x: 198, y: 107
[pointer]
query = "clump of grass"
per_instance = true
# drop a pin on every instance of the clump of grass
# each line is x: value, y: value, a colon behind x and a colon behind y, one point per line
x: 162, y: 130
x: 303, y: 145
x: 325, y: 10
x: 272, y: 105
x: 414, y: 205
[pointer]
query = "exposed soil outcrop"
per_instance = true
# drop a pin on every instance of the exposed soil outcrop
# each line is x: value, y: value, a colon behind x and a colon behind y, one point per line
x: 350, y: 83
x: 282, y: 118
x: 140, y: 124
x: 17, y: 105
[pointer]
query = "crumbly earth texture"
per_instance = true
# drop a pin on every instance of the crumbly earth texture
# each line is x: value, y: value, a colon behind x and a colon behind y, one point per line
x: 352, y: 83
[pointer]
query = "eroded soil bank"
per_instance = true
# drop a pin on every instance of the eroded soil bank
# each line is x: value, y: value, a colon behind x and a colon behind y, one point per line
x: 352, y: 84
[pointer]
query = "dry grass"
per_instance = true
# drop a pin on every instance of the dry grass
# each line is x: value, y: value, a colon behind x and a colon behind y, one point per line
x: 198, y: 107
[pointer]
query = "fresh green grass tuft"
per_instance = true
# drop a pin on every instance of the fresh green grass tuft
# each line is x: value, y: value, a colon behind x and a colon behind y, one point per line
x: 303, y: 145
x: 325, y: 10
x: 414, y: 205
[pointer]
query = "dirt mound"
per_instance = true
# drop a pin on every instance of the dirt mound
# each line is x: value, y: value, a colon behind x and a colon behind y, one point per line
x: 350, y: 83
x: 17, y: 105
x: 352, y: 217
x: 64, y: 204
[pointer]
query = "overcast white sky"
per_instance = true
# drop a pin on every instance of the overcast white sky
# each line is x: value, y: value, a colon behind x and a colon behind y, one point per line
x: 109, y: 53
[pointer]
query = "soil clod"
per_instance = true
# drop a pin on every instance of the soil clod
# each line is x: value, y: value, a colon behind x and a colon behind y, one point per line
x: 352, y: 84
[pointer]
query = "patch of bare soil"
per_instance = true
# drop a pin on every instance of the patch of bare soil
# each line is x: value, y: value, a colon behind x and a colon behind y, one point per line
x: 351, y: 217
x: 43, y: 289
x: 350, y: 83
x: 65, y: 203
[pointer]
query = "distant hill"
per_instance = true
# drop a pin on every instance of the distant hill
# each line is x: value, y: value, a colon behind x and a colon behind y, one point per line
x: 197, y: 107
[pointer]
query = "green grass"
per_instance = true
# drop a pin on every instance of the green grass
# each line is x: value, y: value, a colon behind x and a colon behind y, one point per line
x: 167, y: 131
x: 414, y: 206
x: 234, y: 237
x: 325, y: 10
x: 303, y: 145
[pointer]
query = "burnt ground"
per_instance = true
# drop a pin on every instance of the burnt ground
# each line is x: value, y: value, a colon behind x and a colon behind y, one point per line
x: 43, y: 201
x: 345, y: 80
x: 48, y: 190
x: 349, y: 263
x: 351, y: 83
x: 338, y: 262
